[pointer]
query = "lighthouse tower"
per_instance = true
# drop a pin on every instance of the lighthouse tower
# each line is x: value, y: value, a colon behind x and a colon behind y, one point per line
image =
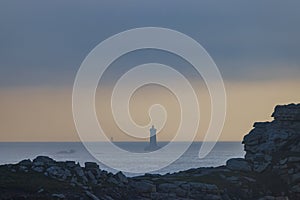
x: 152, y: 144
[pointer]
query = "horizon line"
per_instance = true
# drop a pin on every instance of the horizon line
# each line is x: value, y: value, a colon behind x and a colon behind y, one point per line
x: 112, y: 141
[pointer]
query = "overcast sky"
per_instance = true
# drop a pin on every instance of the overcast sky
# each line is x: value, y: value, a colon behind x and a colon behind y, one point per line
x: 255, y: 44
x: 44, y: 42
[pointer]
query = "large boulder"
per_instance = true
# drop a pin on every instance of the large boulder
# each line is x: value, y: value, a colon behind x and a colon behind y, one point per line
x: 91, y: 165
x: 43, y: 161
x: 238, y: 164
x: 274, y: 147
x: 58, y: 172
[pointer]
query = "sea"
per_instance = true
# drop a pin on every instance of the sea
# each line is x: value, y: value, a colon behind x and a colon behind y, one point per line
x: 13, y: 152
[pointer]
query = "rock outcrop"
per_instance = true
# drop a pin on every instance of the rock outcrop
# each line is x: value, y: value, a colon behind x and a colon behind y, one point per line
x: 274, y: 147
x: 270, y: 170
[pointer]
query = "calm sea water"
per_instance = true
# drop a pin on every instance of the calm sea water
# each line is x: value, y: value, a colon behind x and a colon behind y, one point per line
x: 12, y: 152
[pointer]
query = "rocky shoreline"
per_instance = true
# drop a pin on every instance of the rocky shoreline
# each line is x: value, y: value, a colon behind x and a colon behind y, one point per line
x: 270, y: 170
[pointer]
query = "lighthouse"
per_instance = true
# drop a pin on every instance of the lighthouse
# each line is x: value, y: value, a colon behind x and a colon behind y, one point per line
x: 153, y: 137
x: 152, y: 144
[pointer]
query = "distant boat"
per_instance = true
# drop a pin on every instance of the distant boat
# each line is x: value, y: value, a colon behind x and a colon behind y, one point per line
x: 66, y: 151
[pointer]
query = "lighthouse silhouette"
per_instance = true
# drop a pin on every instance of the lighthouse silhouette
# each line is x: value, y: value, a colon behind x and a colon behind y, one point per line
x: 152, y: 144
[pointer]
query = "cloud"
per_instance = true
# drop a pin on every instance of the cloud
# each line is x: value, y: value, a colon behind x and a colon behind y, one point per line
x: 45, y: 43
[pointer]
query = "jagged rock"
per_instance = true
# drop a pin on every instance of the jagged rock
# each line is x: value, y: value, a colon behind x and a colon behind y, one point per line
x: 181, y: 192
x: 81, y: 175
x: 40, y: 190
x: 238, y: 164
x: 79, y: 171
x: 55, y: 171
x: 294, y: 159
x: 91, y: 165
x: 143, y: 186
x: 274, y: 147
x: 59, y: 196
x: 42, y: 160
x: 99, y: 174
x: 70, y: 164
x: 121, y: 177
x: 91, y: 177
x: 204, y: 186
x: 160, y: 196
x: 232, y: 179
x: 23, y: 168
x: 38, y: 169
x: 260, y: 167
x: 295, y: 177
x: 92, y: 196
x: 283, y: 161
x: 167, y: 187
x: 27, y: 163
x: 113, y: 180
x: 296, y: 188
x: 107, y: 197
x: 289, y: 112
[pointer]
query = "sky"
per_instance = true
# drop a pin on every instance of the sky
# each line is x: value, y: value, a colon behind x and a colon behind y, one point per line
x: 255, y: 45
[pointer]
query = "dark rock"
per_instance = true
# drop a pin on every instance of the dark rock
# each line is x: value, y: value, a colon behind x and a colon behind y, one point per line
x: 296, y: 188
x: 44, y: 160
x: 26, y: 163
x: 113, y: 181
x: 238, y: 164
x: 167, y: 187
x: 23, y: 168
x: 38, y: 169
x: 70, y: 164
x: 289, y: 112
x: 79, y: 172
x: 274, y: 147
x: 121, y: 177
x: 143, y: 186
x: 91, y: 177
x: 58, y: 196
x: 91, y: 196
x: 91, y: 165
x: 295, y: 178
x: 40, y: 190
x: 294, y: 159
x: 58, y: 172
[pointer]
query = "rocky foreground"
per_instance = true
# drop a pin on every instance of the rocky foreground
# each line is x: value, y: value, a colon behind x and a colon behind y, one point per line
x: 270, y: 170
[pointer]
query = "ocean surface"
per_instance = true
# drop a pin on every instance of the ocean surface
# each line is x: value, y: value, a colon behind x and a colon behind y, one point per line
x: 13, y: 152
